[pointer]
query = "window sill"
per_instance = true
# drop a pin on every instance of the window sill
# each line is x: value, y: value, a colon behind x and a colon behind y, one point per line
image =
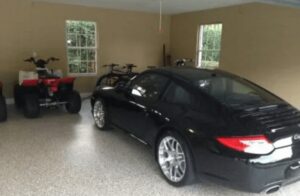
x: 79, y: 75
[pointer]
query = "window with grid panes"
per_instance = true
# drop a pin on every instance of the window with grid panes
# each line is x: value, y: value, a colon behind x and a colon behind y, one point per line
x: 81, y: 38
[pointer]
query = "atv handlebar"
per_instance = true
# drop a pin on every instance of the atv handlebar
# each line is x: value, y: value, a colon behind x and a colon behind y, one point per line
x: 41, y: 62
x: 30, y: 60
x: 52, y: 59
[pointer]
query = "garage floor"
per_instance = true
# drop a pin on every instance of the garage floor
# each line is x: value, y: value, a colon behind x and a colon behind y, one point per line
x: 62, y: 154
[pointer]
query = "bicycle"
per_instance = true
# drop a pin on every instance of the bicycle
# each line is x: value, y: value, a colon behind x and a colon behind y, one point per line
x: 116, y: 76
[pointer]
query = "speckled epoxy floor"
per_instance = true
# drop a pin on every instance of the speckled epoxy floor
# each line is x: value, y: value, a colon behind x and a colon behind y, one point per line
x: 62, y: 154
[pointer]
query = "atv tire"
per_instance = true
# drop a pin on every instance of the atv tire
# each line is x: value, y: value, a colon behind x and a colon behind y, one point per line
x: 31, y: 106
x: 73, y: 105
x: 18, y: 96
x: 3, y: 109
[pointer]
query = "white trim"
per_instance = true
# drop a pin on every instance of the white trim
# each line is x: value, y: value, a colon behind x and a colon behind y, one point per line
x: 82, y: 75
x: 199, y: 46
x: 10, y: 101
x: 85, y: 95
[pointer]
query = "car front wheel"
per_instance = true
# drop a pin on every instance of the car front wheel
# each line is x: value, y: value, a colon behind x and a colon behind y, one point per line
x: 174, y: 160
x: 100, y: 115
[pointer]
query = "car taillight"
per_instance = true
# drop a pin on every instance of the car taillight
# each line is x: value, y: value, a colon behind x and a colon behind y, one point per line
x: 248, y: 144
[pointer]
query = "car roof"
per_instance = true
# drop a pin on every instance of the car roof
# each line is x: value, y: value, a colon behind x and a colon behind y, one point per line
x: 191, y: 74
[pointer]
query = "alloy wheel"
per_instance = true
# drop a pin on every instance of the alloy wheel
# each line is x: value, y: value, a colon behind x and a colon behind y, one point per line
x: 171, y: 159
x: 99, y: 114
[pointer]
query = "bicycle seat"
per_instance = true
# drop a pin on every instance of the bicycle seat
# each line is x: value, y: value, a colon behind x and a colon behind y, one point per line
x: 111, y: 65
x: 151, y: 67
x: 130, y: 65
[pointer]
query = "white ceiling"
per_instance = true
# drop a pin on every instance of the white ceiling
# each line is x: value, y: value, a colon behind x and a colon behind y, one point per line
x: 169, y: 6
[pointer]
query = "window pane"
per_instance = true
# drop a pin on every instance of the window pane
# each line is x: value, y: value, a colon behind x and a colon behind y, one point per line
x: 210, y: 45
x: 91, y: 67
x: 83, y: 40
x: 83, y: 67
x: 71, y: 40
x: 71, y: 26
x: 90, y: 28
x: 91, y: 55
x: 235, y: 92
x: 73, y: 55
x: 178, y: 95
x: 204, y: 55
x: 91, y: 40
x: 84, y: 54
x: 74, y: 67
x: 149, y: 87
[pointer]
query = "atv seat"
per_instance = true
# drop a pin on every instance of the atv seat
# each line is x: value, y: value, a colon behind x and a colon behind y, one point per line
x: 27, y: 75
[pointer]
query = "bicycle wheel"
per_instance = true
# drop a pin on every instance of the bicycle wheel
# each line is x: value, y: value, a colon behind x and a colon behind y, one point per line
x: 108, y: 80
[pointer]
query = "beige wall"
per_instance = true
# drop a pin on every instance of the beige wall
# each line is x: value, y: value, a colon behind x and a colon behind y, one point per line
x: 260, y: 42
x: 124, y: 37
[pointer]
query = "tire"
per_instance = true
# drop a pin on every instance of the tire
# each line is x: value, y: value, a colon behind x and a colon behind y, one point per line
x: 177, y: 169
x: 31, y: 106
x: 73, y: 105
x: 3, y: 109
x: 100, y: 115
x: 18, y: 94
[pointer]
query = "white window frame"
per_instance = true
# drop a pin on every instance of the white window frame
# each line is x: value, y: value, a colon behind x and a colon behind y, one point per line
x: 79, y: 48
x: 200, y: 49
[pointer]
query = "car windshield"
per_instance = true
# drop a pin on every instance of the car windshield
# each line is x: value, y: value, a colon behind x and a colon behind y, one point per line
x: 236, y: 92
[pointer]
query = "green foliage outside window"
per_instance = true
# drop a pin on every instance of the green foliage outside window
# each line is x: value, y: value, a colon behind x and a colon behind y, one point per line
x: 210, y: 45
x: 81, y: 46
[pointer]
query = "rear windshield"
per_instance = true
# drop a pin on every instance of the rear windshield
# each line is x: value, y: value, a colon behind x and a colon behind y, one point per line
x: 236, y: 92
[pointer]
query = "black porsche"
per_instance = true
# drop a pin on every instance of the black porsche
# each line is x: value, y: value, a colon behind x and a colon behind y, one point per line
x: 208, y: 125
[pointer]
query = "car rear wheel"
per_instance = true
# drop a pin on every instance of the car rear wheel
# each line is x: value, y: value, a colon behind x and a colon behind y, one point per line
x: 100, y: 115
x: 3, y: 111
x: 175, y: 160
x: 31, y: 106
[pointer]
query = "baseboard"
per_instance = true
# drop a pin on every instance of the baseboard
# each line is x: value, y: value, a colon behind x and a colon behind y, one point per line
x: 86, y: 95
x: 11, y: 101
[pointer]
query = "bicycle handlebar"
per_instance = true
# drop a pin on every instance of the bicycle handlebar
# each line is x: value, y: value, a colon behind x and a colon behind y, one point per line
x: 130, y: 66
x: 111, y: 65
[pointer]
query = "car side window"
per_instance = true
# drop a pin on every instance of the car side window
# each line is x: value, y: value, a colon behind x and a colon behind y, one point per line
x: 176, y: 94
x: 149, y: 87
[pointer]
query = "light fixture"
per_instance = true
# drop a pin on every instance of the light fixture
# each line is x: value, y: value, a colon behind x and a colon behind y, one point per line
x: 160, y: 16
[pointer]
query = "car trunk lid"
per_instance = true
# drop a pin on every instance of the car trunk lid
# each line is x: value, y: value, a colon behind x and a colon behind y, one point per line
x: 279, y: 122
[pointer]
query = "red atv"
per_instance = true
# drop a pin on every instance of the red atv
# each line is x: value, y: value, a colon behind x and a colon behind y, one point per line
x: 3, y: 111
x: 45, y: 88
